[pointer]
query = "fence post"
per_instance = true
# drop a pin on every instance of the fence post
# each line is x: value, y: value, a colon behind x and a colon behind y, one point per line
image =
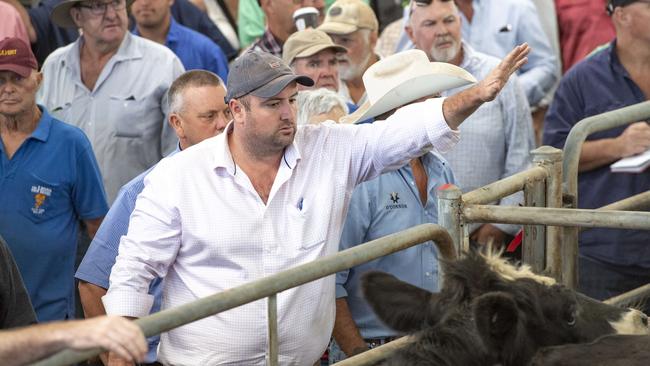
x: 551, y: 159
x: 449, y: 217
x: 533, y: 252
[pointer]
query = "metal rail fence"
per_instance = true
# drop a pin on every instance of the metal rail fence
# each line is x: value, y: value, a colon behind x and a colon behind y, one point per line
x: 268, y: 287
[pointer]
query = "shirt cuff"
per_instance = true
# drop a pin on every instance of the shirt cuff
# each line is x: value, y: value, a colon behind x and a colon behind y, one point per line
x: 341, y: 292
x: 440, y: 134
x: 127, y: 303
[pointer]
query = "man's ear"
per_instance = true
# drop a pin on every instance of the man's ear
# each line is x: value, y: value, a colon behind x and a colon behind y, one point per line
x: 177, y: 125
x: 409, y: 31
x: 236, y: 109
x: 75, y: 14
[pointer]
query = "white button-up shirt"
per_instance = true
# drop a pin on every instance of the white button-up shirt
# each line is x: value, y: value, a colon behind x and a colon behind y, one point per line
x: 124, y: 116
x: 200, y: 224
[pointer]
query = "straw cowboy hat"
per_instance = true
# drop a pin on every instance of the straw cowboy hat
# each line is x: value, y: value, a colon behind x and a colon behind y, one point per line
x: 403, y: 78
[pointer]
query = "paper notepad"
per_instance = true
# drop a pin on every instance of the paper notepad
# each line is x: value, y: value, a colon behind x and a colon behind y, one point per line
x: 632, y: 164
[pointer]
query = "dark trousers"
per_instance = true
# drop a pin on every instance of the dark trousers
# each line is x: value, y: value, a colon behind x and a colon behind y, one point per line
x: 603, y: 281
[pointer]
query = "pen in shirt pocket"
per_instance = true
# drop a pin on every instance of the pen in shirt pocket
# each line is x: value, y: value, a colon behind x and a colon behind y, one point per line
x: 506, y: 28
x: 299, y: 205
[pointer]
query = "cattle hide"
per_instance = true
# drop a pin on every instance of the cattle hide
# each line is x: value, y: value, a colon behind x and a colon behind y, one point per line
x: 612, y: 350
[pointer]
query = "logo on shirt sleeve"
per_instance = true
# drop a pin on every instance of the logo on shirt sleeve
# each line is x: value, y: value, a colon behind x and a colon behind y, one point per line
x: 394, y: 198
x: 41, y: 194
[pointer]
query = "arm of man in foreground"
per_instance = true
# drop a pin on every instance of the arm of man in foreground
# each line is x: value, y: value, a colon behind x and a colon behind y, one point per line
x: 458, y: 107
x: 27, y: 345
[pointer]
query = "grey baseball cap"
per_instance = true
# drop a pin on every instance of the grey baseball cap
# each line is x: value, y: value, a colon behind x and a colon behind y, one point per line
x: 260, y: 74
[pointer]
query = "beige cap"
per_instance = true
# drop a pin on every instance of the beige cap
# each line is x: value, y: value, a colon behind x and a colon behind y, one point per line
x: 347, y: 16
x: 307, y: 43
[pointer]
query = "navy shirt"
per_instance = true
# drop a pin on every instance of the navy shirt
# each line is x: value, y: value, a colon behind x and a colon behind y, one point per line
x: 50, y: 183
x: 50, y: 36
x: 596, y: 85
x: 195, y: 50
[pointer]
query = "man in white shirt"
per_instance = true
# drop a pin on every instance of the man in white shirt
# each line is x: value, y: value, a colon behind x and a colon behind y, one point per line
x: 260, y: 198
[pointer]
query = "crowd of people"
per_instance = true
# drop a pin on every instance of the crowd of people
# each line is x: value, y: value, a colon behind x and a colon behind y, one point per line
x: 183, y: 153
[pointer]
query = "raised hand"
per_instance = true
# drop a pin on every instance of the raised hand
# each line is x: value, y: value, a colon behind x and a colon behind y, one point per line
x: 490, y: 87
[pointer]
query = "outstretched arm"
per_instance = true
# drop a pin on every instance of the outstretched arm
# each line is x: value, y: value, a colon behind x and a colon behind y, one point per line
x: 26, y: 345
x: 458, y: 107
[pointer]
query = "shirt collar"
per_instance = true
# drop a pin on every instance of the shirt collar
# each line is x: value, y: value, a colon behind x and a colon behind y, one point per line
x: 615, y: 62
x: 173, y: 35
x: 42, y: 131
x: 469, y: 56
x: 223, y: 157
x: 127, y: 50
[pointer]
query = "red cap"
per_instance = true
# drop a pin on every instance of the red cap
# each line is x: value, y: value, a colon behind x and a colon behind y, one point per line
x: 17, y: 56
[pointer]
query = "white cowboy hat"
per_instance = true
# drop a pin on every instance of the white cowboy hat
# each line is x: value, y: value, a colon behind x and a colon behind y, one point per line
x: 403, y: 78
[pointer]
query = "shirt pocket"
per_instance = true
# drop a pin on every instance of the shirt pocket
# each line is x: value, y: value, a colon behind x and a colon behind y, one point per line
x: 306, y: 228
x: 41, y: 199
x: 130, y: 112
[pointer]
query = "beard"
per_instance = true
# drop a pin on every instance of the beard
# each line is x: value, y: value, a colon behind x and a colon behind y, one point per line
x: 352, y: 71
x: 444, y: 54
x: 267, y: 144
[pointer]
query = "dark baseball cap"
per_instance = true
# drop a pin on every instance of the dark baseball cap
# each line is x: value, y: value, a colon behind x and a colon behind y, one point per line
x: 260, y: 74
x: 17, y: 56
x: 613, y: 4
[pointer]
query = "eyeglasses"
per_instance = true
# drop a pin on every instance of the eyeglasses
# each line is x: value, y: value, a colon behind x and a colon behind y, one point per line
x: 97, y: 8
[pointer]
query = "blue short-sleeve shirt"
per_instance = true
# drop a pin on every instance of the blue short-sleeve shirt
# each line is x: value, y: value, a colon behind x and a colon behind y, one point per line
x: 50, y: 183
x: 383, y: 206
x: 196, y: 51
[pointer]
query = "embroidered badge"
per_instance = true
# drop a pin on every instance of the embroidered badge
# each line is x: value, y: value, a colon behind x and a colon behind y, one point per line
x: 394, y: 197
x: 40, y: 195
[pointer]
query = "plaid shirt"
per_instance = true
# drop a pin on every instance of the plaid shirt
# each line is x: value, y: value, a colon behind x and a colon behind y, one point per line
x: 268, y: 43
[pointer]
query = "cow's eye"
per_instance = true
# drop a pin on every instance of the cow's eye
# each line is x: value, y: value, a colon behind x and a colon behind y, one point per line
x: 571, y: 320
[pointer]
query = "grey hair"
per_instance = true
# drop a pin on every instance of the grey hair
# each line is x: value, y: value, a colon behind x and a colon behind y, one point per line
x: 318, y: 101
x: 193, y: 78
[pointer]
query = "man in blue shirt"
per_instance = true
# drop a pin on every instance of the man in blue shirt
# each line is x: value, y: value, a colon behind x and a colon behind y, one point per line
x: 198, y: 111
x: 392, y: 202
x: 49, y: 180
x: 611, y: 261
x: 154, y: 21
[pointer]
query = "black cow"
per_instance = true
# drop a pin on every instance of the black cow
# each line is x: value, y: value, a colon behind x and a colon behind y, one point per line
x: 489, y: 312
x: 611, y: 350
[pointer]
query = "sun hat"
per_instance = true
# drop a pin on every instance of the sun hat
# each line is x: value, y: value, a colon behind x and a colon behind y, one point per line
x: 403, y: 78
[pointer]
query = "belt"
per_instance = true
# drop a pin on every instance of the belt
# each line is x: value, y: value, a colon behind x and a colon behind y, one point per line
x: 376, y: 342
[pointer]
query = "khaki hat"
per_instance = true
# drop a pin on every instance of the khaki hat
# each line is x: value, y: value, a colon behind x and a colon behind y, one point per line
x: 403, y: 78
x: 61, y: 12
x: 347, y: 16
x: 307, y: 43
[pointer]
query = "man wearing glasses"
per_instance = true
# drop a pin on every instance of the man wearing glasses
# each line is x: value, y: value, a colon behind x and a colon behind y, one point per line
x: 113, y: 86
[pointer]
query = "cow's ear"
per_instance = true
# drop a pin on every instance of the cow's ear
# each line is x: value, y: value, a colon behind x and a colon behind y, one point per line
x: 497, y: 319
x: 401, y: 306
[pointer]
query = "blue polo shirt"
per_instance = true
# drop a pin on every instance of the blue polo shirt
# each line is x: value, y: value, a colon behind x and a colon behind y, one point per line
x: 96, y: 265
x: 196, y: 51
x: 50, y: 183
x: 596, y: 85
x: 383, y: 206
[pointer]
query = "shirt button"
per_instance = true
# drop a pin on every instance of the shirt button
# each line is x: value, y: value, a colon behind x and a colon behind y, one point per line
x: 428, y: 274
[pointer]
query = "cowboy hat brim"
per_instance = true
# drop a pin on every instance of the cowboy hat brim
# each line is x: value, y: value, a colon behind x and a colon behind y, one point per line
x: 440, y: 77
x: 61, y: 13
